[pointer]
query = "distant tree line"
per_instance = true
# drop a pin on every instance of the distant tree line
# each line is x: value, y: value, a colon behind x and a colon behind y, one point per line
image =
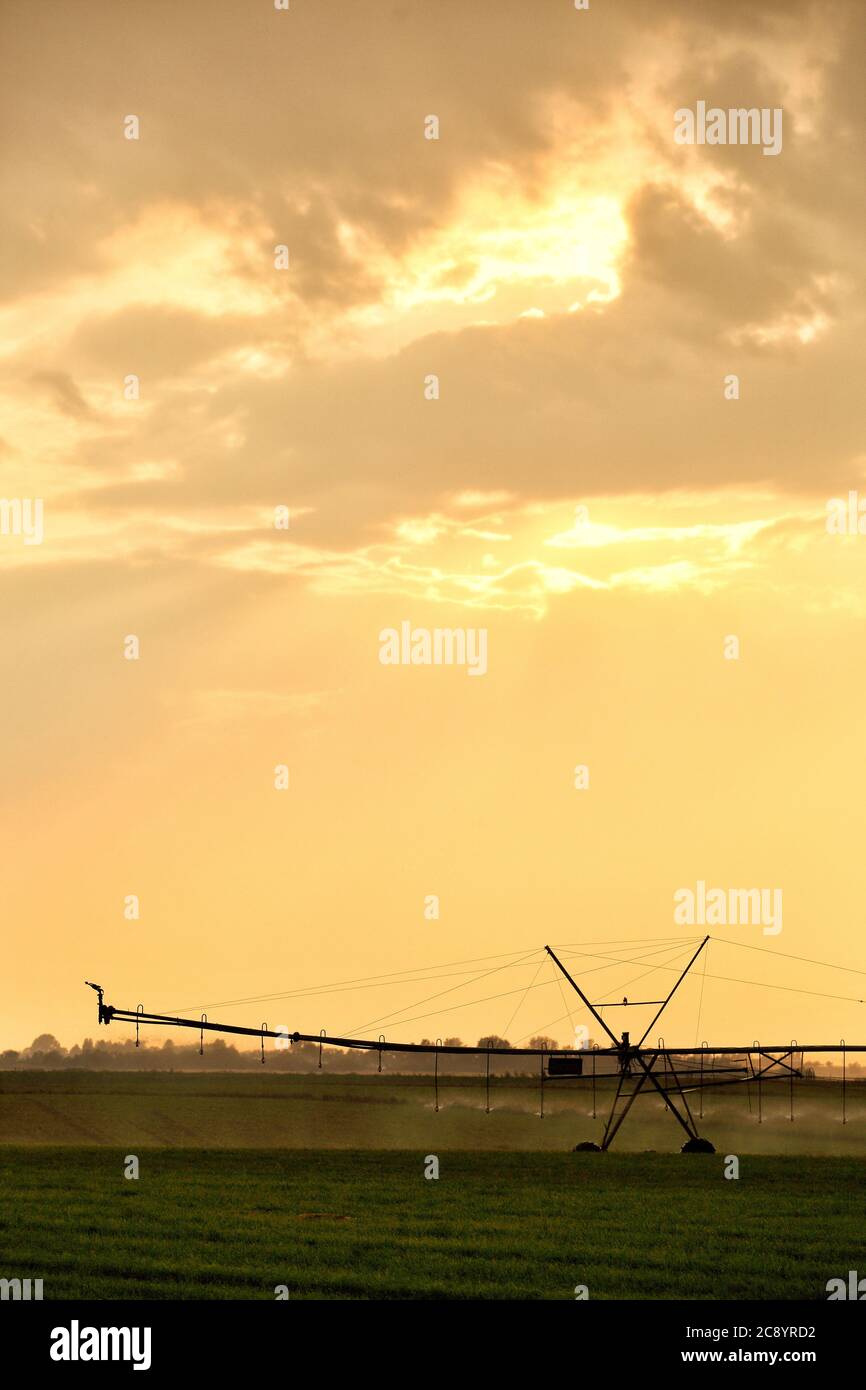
x: 46, y: 1053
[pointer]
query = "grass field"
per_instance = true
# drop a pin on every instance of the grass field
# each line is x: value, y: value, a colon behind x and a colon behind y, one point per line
x: 236, y: 1223
x: 249, y: 1183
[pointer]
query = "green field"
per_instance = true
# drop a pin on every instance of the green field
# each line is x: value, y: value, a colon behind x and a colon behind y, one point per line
x: 249, y: 1183
x: 236, y: 1223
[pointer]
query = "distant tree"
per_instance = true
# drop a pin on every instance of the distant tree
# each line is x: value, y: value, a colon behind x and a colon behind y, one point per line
x: 46, y: 1042
x: 493, y: 1041
x: 542, y: 1041
x: 453, y: 1042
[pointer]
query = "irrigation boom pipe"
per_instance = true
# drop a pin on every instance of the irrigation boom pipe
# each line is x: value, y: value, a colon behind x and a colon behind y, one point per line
x: 108, y: 1013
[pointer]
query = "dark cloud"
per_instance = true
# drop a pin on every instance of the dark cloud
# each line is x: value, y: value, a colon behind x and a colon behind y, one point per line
x: 295, y: 123
x: 63, y: 392
x: 240, y: 103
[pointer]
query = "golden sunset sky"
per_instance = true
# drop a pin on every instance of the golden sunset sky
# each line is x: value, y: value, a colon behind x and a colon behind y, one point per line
x: 581, y: 286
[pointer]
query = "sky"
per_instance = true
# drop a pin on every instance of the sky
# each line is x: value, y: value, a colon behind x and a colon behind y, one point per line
x: 489, y: 377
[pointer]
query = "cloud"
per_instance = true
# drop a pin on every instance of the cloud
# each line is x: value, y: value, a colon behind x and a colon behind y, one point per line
x: 580, y: 285
x: 63, y: 392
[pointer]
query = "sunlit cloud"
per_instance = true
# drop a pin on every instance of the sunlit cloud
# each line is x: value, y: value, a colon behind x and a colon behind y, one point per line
x: 172, y: 256
x: 713, y: 556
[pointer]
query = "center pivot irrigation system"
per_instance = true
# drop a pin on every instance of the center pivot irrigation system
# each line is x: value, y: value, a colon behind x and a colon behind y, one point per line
x: 670, y: 1072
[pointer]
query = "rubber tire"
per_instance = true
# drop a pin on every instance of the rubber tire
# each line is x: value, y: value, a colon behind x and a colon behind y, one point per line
x: 697, y: 1146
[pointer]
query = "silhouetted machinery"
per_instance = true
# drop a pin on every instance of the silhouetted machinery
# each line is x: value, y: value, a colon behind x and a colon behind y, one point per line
x: 673, y: 1073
